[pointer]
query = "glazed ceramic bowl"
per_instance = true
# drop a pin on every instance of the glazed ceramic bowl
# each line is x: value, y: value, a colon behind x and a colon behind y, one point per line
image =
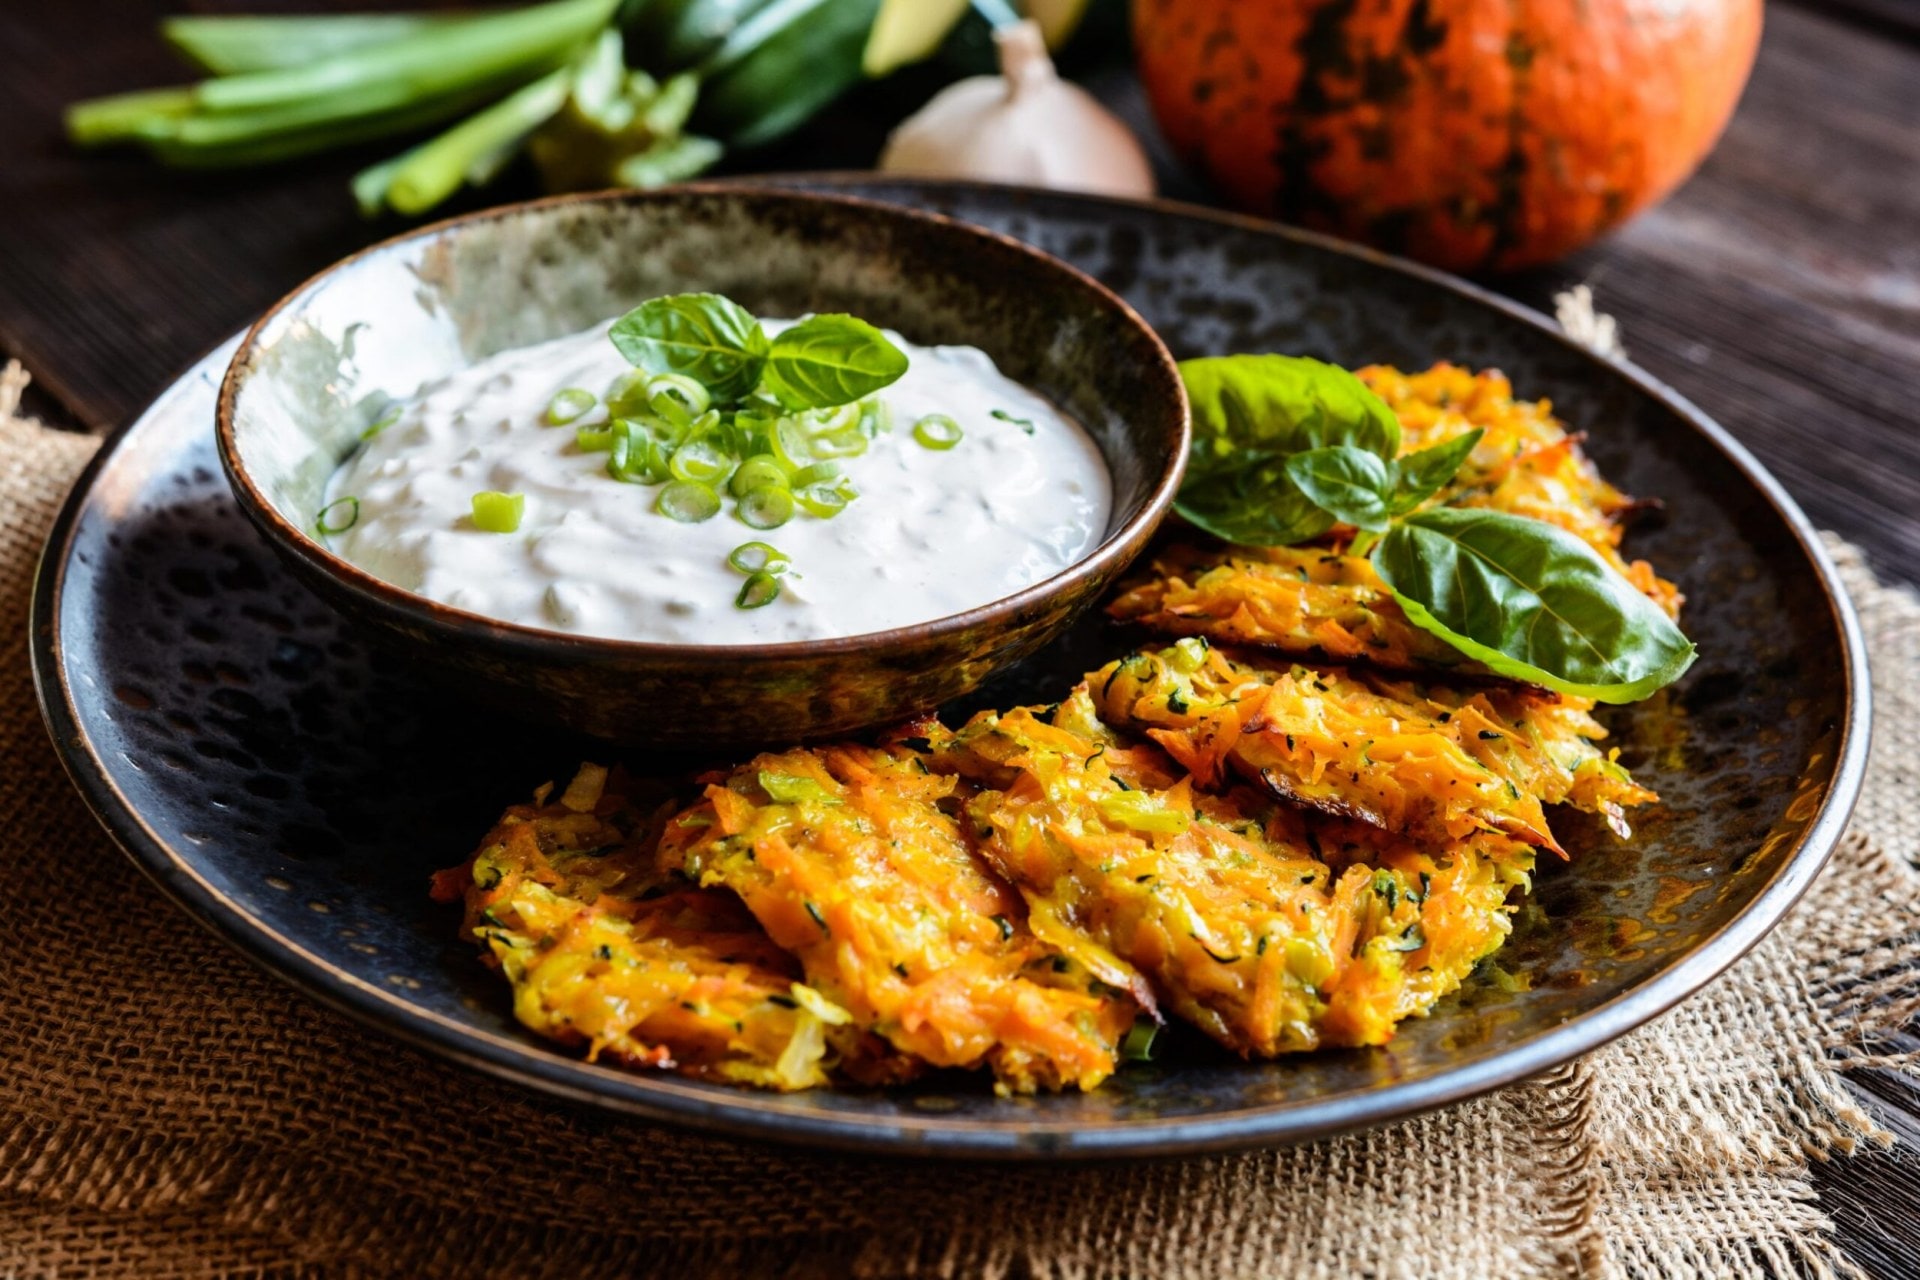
x: 434, y: 301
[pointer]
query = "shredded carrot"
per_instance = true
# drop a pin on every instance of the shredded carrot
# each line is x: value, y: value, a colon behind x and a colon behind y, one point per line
x: 1432, y: 762
x: 846, y: 858
x: 1271, y: 930
x: 605, y: 953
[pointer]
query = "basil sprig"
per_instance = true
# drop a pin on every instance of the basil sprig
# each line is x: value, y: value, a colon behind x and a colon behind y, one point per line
x: 831, y: 360
x: 1286, y: 447
x: 1250, y: 415
x: 703, y: 336
x: 1418, y: 476
x: 1367, y: 491
x: 1530, y: 601
x: 1348, y: 483
x: 822, y: 362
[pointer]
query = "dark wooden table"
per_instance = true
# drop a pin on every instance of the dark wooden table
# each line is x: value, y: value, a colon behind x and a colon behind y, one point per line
x: 1780, y: 290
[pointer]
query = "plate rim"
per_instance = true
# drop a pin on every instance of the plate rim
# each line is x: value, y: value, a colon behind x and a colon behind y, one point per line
x: 747, y: 1115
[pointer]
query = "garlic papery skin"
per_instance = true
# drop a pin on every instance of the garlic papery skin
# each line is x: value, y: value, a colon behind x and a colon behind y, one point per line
x: 1025, y: 125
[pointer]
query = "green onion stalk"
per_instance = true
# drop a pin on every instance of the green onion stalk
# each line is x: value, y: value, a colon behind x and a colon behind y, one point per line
x: 596, y: 92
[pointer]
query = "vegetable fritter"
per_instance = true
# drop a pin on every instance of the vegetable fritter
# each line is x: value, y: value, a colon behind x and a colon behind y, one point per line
x: 1270, y: 930
x: 650, y: 971
x: 1298, y: 600
x: 847, y: 858
x: 1433, y: 763
x: 1317, y: 600
x: 1527, y: 463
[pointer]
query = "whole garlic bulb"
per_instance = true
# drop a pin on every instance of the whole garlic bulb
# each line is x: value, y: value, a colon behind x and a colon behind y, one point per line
x: 1025, y: 125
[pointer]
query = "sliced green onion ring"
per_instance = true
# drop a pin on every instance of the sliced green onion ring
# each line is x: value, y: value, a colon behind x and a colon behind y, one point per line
x: 791, y: 443
x: 709, y: 426
x: 759, y: 472
x: 657, y: 467
x: 847, y: 443
x: 876, y: 416
x: 815, y: 473
x: 823, y: 500
x: 700, y: 460
x: 1139, y: 1046
x: 668, y: 435
x: 495, y: 512
x: 569, y: 406
x: 833, y: 421
x: 634, y: 456
x: 688, y: 501
x: 627, y: 395
x: 626, y: 461
x: 593, y: 439
x: 767, y: 507
x: 752, y: 434
x: 338, y: 516
x: 760, y: 589
x: 677, y: 397
x: 937, y: 431
x: 722, y: 435
x: 759, y: 557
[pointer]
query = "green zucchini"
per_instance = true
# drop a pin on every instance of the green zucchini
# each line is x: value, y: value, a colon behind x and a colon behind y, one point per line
x: 778, y: 68
x: 666, y: 37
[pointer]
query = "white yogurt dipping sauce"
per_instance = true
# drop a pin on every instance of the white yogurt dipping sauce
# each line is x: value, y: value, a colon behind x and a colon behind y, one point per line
x: 932, y: 532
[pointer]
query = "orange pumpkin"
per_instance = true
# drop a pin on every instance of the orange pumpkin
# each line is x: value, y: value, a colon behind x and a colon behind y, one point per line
x: 1469, y: 133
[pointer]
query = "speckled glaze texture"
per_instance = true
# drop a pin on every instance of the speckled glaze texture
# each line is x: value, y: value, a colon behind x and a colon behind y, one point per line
x: 438, y: 299
x: 294, y: 788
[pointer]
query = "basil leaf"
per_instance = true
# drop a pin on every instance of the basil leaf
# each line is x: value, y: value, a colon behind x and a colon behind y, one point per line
x: 827, y: 361
x: 1418, y: 476
x: 1349, y: 484
x: 1530, y: 601
x: 1250, y: 413
x: 703, y: 336
x: 1251, y: 500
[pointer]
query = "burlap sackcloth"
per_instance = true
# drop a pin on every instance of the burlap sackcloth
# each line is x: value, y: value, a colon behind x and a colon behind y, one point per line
x: 167, y: 1110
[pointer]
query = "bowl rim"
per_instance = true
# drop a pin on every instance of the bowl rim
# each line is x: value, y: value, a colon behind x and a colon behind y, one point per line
x: 1110, y: 556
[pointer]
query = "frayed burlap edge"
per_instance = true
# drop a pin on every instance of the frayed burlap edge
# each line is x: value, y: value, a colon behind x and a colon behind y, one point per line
x: 1727, y: 1188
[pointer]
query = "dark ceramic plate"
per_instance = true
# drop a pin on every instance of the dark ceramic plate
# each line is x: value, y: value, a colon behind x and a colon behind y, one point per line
x: 293, y: 791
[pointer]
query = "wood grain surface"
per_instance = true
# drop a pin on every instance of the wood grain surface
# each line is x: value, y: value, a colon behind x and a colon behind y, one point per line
x: 1779, y: 290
